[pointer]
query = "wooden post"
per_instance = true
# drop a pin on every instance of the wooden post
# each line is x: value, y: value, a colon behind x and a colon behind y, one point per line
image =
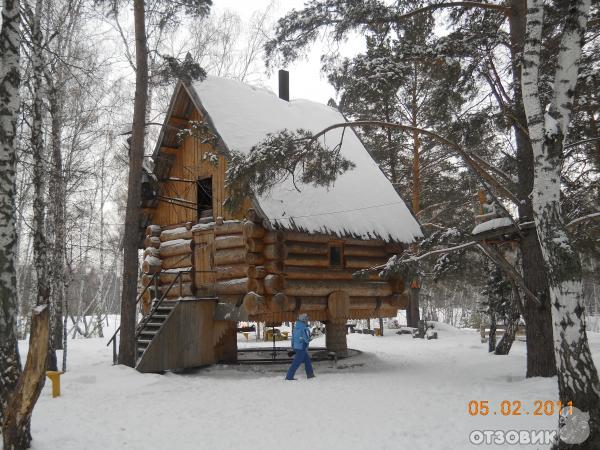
x: 335, y: 338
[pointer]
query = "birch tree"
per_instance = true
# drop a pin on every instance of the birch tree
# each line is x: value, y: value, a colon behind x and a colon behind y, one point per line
x: 10, y: 41
x: 548, y: 127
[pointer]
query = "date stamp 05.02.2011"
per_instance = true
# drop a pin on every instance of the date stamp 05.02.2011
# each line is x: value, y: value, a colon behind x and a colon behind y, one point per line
x: 518, y: 408
x: 573, y: 424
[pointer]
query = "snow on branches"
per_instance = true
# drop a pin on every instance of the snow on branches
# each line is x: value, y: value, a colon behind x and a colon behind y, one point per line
x: 286, y: 154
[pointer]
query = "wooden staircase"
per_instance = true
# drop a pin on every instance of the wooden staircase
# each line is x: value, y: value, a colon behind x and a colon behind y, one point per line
x: 146, y: 331
x: 177, y: 335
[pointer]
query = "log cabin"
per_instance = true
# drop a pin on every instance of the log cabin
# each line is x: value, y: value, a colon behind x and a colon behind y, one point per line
x: 293, y: 250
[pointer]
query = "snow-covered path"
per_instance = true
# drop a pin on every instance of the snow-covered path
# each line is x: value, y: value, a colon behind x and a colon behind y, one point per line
x: 401, y: 393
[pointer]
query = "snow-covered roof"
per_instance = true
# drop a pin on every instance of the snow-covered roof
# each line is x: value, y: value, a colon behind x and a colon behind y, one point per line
x: 362, y: 202
x: 493, y: 224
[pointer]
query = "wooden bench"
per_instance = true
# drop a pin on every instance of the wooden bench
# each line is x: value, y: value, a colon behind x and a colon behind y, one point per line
x: 500, y: 329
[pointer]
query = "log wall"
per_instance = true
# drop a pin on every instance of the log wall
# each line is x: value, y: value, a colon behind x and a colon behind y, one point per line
x: 226, y: 262
x: 275, y: 274
x: 289, y: 273
x: 169, y: 252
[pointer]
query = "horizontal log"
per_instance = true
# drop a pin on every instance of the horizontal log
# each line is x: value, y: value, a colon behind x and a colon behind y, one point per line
x: 176, y: 233
x: 392, y: 247
x: 153, y: 230
x: 228, y: 271
x: 152, y: 251
x: 234, y: 299
x: 397, y: 285
x: 274, y: 266
x: 305, y: 237
x: 306, y: 273
x: 178, y: 261
x: 254, y: 259
x: 357, y: 262
x: 308, y: 304
x: 274, y: 284
x: 229, y: 241
x: 186, y: 225
x: 176, y: 247
x: 255, y: 245
x: 151, y: 265
x: 167, y: 277
x: 306, y: 248
x: 309, y: 261
x: 256, y: 272
x: 273, y: 251
x: 365, y: 242
x: 229, y: 227
x: 372, y: 252
x: 177, y: 290
x: 152, y: 241
x: 253, y: 230
x: 321, y: 288
x: 230, y: 256
x: 391, y: 301
x: 235, y: 286
x: 272, y: 237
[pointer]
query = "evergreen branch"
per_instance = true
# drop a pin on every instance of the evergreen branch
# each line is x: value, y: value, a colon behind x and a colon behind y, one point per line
x: 593, y: 216
x: 483, y: 176
x: 501, y: 8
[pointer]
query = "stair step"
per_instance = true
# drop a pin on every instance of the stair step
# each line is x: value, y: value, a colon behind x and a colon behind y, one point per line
x: 145, y: 342
x: 151, y: 333
x: 153, y: 324
x: 159, y: 316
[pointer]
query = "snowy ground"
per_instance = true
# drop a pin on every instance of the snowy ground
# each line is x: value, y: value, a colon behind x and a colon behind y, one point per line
x: 400, y: 393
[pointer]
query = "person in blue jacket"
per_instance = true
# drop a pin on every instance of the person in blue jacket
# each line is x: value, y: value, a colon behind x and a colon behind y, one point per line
x: 300, y: 341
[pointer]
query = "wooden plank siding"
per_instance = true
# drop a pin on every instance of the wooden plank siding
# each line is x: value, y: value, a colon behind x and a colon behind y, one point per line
x: 191, y: 163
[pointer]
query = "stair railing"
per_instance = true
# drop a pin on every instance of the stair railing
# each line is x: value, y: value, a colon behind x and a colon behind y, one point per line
x: 156, y: 305
x: 113, y: 339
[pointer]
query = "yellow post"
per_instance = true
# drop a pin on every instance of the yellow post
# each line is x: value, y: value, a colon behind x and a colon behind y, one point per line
x: 55, y: 378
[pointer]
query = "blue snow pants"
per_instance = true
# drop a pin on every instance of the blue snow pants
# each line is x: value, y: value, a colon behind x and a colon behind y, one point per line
x: 300, y: 357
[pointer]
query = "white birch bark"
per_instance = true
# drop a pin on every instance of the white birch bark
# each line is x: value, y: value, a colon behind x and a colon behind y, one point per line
x: 577, y: 376
x: 10, y: 39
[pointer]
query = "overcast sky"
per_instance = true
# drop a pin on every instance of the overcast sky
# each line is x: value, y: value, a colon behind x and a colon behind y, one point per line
x: 306, y: 80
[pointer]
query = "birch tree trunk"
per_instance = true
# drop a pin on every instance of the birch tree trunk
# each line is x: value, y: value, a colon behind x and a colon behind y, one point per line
x: 133, y: 212
x: 577, y: 375
x: 40, y: 250
x: 538, y: 317
x: 10, y: 77
x: 57, y: 220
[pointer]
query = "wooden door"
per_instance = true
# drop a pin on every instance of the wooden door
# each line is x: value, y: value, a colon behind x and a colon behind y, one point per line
x: 204, y: 273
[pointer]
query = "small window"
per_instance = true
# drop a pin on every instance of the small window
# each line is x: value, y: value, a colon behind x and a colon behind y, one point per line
x: 336, y: 255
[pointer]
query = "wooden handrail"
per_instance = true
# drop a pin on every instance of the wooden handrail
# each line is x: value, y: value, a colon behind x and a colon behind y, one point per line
x: 154, y: 278
x: 158, y: 303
